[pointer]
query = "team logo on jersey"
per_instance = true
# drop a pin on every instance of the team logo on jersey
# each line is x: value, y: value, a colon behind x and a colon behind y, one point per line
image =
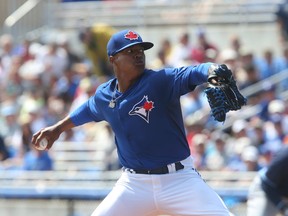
x: 143, y: 108
x: 131, y: 35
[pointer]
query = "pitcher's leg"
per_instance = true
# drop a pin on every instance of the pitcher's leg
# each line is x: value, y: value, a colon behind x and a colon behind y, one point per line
x: 129, y: 197
x: 190, y: 196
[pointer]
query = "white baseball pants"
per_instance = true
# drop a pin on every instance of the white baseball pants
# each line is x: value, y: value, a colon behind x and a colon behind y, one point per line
x: 180, y: 193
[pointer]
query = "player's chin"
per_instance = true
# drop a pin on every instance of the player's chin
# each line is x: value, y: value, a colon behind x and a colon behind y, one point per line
x: 139, y: 65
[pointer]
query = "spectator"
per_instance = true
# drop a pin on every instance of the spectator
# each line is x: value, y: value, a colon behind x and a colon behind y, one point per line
x: 72, y: 57
x: 14, y: 85
x: 37, y: 160
x: 181, y: 51
x: 268, y: 65
x: 163, y: 55
x: 218, y: 157
x: 66, y: 86
x: 55, y: 60
x: 26, y: 136
x: 160, y: 61
x: 95, y: 39
x: 257, y: 134
x: 228, y: 56
x: 4, y: 153
x: 283, y: 86
x: 199, y: 142
x: 267, y: 95
x: 238, y: 142
x: 199, y: 51
x: 10, y: 129
x: 236, y: 45
x: 24, y: 51
x: 251, y: 76
x: 284, y: 58
x: 7, y: 48
x: 250, y: 156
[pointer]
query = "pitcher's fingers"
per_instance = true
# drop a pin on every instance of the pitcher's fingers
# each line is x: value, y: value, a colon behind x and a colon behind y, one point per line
x: 35, y: 137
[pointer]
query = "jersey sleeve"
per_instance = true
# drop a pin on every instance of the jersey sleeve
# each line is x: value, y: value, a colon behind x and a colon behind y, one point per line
x: 185, y: 79
x: 87, y: 112
x: 199, y: 74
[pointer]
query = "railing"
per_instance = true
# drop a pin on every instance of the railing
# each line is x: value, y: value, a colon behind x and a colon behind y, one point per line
x: 20, y: 13
x: 275, y: 79
x: 30, y: 16
x: 78, y: 156
x: 96, y: 185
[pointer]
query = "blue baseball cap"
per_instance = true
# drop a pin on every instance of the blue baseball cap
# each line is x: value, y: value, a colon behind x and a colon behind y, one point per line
x: 124, y: 39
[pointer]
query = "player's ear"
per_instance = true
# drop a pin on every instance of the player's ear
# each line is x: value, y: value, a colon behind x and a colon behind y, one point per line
x: 111, y: 59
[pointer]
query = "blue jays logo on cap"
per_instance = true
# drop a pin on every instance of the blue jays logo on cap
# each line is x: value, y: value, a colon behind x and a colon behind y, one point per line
x: 131, y: 35
x: 124, y: 39
x: 143, y: 108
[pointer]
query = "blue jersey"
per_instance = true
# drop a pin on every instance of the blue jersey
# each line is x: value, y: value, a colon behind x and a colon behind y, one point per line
x: 147, y: 118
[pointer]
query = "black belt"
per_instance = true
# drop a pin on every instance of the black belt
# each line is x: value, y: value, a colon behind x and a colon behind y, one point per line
x: 163, y: 170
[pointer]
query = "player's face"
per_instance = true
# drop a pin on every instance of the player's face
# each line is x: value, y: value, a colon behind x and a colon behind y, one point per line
x: 130, y: 59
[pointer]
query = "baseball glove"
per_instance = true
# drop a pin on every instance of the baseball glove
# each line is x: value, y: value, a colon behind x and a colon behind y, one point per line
x: 222, y: 92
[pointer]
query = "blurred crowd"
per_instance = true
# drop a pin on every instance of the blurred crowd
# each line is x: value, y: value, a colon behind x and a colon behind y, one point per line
x: 42, y: 82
